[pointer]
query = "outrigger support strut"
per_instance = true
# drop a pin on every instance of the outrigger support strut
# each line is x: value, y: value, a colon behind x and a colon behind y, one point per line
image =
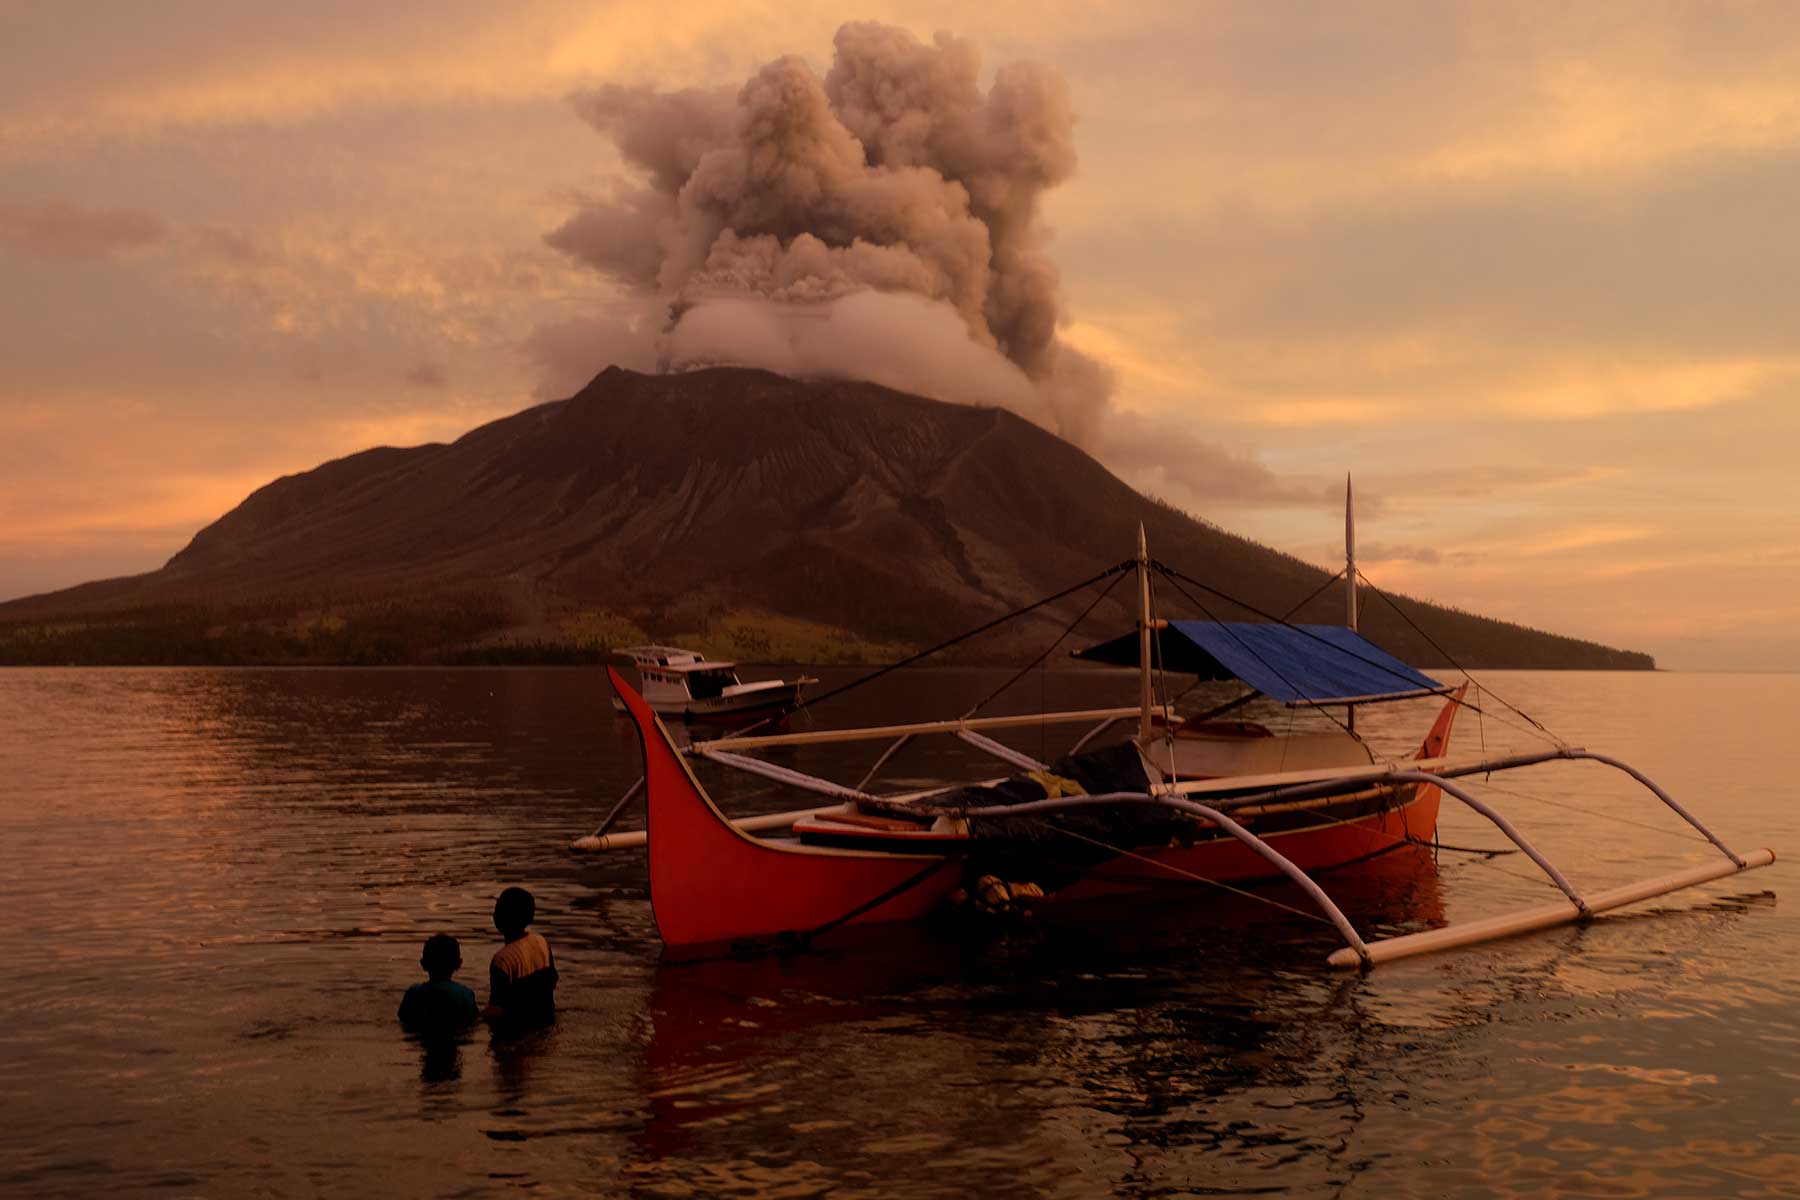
x: 1506, y: 827
x: 597, y: 839
x: 1449, y: 770
x: 1093, y: 733
x: 893, y: 749
x: 1273, y: 856
x: 781, y: 774
x: 1667, y: 799
x: 1358, y: 953
x: 1000, y: 750
x: 1282, y: 863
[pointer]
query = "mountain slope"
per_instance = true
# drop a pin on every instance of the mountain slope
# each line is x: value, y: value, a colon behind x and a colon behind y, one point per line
x: 667, y: 504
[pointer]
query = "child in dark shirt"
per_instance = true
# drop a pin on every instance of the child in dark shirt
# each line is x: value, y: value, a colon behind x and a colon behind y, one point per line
x: 522, y: 975
x: 439, y: 1005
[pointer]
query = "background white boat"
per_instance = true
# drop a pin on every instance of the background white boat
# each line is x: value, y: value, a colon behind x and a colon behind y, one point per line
x: 684, y: 683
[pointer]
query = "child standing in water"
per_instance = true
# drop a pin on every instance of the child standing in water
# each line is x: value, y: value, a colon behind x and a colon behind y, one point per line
x: 439, y: 1005
x: 522, y: 975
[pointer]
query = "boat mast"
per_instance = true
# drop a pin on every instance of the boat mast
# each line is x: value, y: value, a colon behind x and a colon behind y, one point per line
x: 1349, y: 557
x: 1349, y: 581
x: 1144, y: 698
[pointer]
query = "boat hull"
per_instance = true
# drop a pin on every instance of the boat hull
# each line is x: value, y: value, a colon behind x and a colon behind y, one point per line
x: 1410, y: 817
x: 712, y: 884
x: 1318, y: 847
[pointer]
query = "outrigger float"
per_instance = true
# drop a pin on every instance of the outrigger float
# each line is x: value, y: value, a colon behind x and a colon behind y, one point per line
x: 1200, y: 799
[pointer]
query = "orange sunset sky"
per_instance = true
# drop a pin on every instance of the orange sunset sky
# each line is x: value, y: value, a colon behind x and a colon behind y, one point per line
x: 1530, y: 271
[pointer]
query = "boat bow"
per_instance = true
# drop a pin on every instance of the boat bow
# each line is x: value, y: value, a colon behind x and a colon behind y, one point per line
x: 712, y: 883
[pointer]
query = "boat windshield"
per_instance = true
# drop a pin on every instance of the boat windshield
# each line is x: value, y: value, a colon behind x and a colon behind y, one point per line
x: 703, y: 685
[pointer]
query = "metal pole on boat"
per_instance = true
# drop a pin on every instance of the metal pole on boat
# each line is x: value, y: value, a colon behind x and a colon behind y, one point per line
x: 1349, y: 557
x: 1145, y: 701
x: 1349, y: 582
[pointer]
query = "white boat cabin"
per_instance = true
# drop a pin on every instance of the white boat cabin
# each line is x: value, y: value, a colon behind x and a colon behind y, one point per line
x: 685, y: 683
x: 670, y: 673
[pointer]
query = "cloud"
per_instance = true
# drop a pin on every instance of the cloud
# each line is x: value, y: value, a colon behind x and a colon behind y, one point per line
x: 1385, y: 552
x: 898, y: 339
x: 1162, y: 454
x: 309, y: 277
x: 1587, y: 536
x: 58, y: 229
x: 428, y: 375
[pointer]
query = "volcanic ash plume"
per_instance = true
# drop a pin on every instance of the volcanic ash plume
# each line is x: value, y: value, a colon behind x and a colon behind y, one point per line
x: 881, y: 222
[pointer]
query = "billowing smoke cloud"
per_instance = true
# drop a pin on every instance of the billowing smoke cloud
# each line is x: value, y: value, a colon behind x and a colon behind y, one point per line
x: 882, y: 222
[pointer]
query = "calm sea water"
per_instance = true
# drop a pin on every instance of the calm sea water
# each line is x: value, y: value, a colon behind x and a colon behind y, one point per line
x: 215, y: 884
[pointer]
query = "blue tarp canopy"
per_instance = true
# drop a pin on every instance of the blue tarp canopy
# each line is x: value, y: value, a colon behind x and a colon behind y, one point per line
x: 1292, y: 663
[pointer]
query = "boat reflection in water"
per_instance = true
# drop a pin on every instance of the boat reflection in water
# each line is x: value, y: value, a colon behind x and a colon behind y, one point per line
x: 858, y: 1058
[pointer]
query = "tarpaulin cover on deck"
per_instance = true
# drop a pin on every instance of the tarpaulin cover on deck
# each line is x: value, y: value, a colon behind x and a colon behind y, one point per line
x: 1292, y: 663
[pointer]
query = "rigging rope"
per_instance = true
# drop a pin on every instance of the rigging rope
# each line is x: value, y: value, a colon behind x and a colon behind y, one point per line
x: 1048, y: 650
x: 1592, y: 812
x: 1452, y: 661
x: 1174, y: 575
x: 1316, y: 593
x: 1171, y: 575
x: 1487, y: 851
x: 944, y: 645
x: 1175, y: 870
x: 905, y: 885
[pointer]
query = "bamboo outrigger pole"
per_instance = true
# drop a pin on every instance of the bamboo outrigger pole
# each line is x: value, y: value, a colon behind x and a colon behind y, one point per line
x: 1562, y: 913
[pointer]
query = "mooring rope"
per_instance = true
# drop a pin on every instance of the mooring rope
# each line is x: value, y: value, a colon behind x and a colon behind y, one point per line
x: 1048, y: 650
x: 908, y: 661
x: 1539, y: 725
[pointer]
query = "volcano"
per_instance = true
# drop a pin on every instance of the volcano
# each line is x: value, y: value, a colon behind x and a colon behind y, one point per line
x: 750, y: 513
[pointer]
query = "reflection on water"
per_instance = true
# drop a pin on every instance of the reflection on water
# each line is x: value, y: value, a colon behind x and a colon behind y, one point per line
x: 440, y: 1058
x: 217, y: 884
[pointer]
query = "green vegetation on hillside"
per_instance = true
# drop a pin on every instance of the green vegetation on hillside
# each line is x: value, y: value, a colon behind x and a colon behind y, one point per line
x: 472, y: 633
x: 387, y: 634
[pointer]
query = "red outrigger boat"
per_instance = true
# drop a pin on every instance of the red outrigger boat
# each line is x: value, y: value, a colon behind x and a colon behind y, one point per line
x: 713, y: 883
x: 1196, y: 800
